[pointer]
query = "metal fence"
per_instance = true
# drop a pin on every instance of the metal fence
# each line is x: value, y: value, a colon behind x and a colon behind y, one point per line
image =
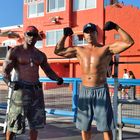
x: 62, y: 100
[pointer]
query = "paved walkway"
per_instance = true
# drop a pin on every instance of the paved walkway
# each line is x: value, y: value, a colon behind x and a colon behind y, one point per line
x: 62, y: 128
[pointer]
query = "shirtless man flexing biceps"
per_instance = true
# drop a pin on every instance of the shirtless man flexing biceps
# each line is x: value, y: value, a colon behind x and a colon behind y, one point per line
x: 94, y: 58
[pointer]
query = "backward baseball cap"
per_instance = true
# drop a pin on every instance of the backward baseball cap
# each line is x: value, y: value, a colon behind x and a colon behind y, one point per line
x: 89, y: 26
x: 32, y: 29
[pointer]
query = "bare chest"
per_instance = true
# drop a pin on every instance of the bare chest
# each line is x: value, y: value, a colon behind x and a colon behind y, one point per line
x: 93, y: 56
x: 31, y: 58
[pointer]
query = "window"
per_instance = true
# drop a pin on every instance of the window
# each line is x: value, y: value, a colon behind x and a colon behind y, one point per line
x: 9, y: 42
x: 29, y: 1
x: 116, y: 36
x: 3, y: 51
x: 52, y: 37
x: 56, y: 5
x: 39, y: 44
x: 78, y: 40
x: 36, y: 9
x: 106, y: 2
x: 83, y: 4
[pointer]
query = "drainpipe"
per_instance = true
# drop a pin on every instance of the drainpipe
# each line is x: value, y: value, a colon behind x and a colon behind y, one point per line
x: 69, y: 9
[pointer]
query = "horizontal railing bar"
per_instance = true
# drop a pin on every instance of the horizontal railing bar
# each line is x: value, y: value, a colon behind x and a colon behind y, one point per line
x: 124, y: 101
x: 110, y: 81
x: 59, y: 112
x: 132, y: 62
x: 133, y: 121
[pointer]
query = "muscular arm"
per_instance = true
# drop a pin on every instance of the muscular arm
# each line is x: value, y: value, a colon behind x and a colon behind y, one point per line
x: 60, y: 50
x: 8, y: 65
x: 122, y: 45
x: 47, y: 69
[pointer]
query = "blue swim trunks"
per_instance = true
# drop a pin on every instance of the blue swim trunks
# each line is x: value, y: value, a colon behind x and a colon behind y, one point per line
x: 94, y: 103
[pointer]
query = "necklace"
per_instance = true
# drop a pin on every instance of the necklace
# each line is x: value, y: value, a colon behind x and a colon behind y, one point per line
x: 31, y: 62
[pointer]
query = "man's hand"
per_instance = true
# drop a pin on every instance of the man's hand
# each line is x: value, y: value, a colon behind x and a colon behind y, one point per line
x: 67, y: 31
x: 14, y: 85
x: 59, y: 81
x: 110, y: 25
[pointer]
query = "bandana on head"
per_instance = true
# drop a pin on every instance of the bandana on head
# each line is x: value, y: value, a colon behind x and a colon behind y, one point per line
x: 32, y: 29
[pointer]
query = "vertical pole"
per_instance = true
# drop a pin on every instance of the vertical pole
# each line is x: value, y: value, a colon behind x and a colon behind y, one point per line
x: 119, y: 117
x: 75, y: 98
x: 13, y: 78
x: 115, y: 97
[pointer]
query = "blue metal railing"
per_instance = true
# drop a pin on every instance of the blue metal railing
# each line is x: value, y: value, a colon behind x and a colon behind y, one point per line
x: 75, y: 91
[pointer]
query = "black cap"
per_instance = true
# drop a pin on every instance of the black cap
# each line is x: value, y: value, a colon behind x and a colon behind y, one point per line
x: 89, y: 25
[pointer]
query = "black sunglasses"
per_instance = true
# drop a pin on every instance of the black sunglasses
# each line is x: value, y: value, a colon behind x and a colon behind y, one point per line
x: 88, y: 30
x: 32, y: 34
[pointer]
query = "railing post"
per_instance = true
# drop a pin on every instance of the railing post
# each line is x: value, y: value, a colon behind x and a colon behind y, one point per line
x: 75, y: 98
x: 115, y: 97
x: 120, y: 125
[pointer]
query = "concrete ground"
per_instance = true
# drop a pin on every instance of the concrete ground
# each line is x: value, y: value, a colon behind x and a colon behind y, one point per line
x: 62, y: 128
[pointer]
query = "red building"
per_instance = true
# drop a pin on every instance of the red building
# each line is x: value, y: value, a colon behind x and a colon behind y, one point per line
x: 128, y: 18
x: 51, y: 16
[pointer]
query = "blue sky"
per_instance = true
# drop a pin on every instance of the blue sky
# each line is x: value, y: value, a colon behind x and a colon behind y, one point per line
x: 11, y: 11
x: 133, y: 2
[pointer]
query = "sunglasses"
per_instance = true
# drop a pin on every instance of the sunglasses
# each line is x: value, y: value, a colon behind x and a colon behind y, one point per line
x: 89, y: 30
x: 31, y: 34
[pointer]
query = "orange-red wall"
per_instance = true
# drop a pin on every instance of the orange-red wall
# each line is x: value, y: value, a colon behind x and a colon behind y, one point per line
x: 76, y: 20
x: 128, y: 17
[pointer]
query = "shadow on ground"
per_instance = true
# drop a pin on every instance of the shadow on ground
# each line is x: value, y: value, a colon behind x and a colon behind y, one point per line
x: 57, y: 130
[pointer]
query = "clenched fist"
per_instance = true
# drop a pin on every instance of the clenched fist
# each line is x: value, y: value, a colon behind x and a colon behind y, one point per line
x: 68, y: 31
x: 110, y: 25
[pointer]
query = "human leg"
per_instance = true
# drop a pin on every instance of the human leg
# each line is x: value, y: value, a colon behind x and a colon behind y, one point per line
x: 36, y: 113
x: 9, y: 135
x: 15, y: 116
x: 33, y: 134
x: 124, y: 93
x: 86, y: 135
x: 103, y: 110
x: 108, y: 135
x: 85, y: 113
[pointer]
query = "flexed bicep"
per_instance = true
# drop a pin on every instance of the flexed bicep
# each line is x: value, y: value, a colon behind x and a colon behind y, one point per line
x: 69, y: 52
x: 125, y: 41
x: 118, y: 47
x: 61, y: 50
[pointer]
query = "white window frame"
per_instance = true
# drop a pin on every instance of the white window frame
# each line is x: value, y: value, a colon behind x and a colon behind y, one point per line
x: 29, y: 1
x: 9, y: 42
x: 77, y: 42
x: 117, y: 36
x: 57, y: 9
x: 84, y: 2
x: 39, y: 44
x: 36, y: 14
x: 55, y: 41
